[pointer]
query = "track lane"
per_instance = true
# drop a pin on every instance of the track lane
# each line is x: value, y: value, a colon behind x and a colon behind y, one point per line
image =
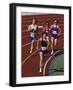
x: 31, y: 66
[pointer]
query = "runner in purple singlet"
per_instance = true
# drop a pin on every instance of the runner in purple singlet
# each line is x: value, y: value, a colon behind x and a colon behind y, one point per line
x: 55, y: 32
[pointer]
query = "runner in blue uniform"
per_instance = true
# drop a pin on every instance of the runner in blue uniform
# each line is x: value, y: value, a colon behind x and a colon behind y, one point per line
x: 33, y: 28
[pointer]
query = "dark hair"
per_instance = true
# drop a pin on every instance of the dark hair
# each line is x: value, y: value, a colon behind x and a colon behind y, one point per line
x: 46, y: 23
x: 44, y: 33
x: 55, y: 21
x: 35, y: 20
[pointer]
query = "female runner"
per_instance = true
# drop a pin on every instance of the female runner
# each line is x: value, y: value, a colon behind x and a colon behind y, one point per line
x: 55, y: 32
x: 44, y: 41
x: 46, y: 30
x: 33, y: 28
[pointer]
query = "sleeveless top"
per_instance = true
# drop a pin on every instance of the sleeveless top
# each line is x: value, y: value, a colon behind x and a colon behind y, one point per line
x: 54, y: 29
x: 45, y: 29
x: 44, y: 43
x: 33, y: 30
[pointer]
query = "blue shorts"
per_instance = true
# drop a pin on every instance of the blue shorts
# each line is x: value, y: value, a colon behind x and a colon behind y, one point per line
x: 32, y: 38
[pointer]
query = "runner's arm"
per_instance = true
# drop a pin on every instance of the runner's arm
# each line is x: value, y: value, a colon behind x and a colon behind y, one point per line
x: 40, y: 27
x: 59, y: 30
x: 48, y: 42
x: 50, y: 27
x: 29, y: 28
x: 37, y: 44
x: 38, y: 41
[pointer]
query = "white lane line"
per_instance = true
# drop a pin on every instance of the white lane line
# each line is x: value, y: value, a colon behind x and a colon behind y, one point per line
x: 48, y: 61
x: 35, y: 41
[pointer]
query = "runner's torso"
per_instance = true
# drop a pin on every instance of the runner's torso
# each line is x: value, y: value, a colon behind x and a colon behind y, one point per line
x: 33, y: 30
x: 45, y: 29
x: 54, y: 29
x: 43, y: 42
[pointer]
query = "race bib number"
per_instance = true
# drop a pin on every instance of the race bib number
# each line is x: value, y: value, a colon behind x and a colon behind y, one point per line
x: 54, y: 32
x: 32, y: 35
x: 43, y: 48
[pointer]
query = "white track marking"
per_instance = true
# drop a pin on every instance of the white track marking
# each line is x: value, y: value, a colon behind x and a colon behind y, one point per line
x: 34, y: 41
x: 29, y: 57
x: 48, y: 61
x: 28, y: 44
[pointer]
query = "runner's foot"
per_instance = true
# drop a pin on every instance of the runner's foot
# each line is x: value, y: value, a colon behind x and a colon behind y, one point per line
x: 30, y: 51
x: 52, y: 52
x: 40, y: 70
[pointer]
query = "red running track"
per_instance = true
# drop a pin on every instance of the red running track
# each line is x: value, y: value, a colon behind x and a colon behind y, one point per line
x: 30, y: 62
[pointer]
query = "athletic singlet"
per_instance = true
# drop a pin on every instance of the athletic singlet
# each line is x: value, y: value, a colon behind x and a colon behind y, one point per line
x: 33, y: 30
x: 45, y: 29
x: 43, y: 43
x: 54, y: 29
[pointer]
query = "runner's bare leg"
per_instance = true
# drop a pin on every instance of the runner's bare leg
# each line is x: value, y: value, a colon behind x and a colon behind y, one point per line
x: 31, y: 48
x: 52, y: 40
x: 41, y: 58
